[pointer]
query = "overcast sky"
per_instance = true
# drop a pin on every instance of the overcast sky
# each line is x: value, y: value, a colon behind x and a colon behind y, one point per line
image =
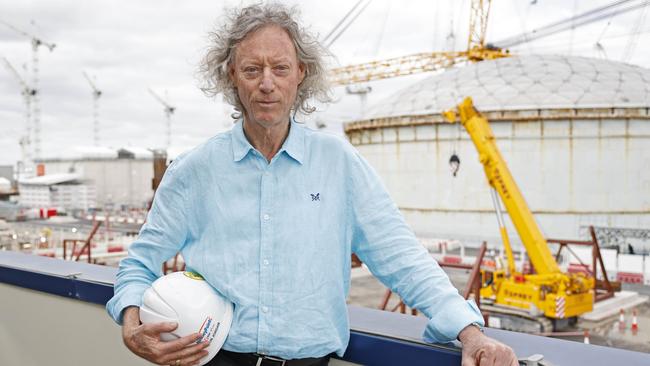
x: 129, y: 46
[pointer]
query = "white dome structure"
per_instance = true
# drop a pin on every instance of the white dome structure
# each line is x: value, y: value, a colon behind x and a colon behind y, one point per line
x: 574, y: 131
x: 525, y: 83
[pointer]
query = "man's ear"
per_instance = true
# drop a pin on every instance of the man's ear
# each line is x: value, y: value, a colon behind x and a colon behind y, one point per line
x: 231, y: 73
x: 301, y: 72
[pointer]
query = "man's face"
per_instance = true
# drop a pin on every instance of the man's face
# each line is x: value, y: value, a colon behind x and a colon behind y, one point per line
x: 266, y: 73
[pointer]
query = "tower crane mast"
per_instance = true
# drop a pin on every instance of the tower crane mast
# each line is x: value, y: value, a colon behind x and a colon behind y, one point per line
x: 28, y: 93
x: 36, y: 115
x: 96, y: 95
x: 169, y: 110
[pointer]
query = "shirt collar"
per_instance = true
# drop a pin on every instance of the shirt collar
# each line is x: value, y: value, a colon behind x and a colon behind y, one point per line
x: 294, y: 145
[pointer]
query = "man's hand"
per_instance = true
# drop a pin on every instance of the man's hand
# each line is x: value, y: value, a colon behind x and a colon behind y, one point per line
x: 481, y: 350
x: 144, y: 341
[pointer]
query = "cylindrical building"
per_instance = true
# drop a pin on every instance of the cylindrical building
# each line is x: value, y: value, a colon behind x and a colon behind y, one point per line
x: 574, y: 131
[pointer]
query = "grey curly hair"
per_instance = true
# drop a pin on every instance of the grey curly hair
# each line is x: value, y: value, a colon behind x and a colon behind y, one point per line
x: 215, y: 66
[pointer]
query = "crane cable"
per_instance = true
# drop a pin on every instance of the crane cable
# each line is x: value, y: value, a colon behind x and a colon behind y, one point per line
x: 610, y: 10
x: 338, y: 25
x: 342, y: 28
x: 632, y: 41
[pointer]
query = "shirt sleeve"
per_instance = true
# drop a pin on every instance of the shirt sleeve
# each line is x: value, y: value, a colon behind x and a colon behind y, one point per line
x: 160, y: 238
x: 385, y: 243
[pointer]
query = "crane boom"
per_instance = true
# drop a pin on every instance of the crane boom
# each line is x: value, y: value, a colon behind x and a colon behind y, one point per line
x: 92, y: 85
x: 15, y: 73
x: 426, y: 61
x: 500, y: 178
x: 161, y: 100
x: 398, y: 66
x: 477, y: 48
x: 37, y: 41
x: 528, y: 301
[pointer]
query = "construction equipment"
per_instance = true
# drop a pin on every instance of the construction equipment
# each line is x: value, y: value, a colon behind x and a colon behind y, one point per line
x: 169, y: 110
x: 477, y: 50
x: 28, y: 93
x: 96, y: 94
x: 540, y: 302
x: 344, y: 23
x: 477, y: 47
x: 36, y: 115
x: 608, y: 11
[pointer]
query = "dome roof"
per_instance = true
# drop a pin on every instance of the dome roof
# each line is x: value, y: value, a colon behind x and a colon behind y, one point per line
x: 525, y: 82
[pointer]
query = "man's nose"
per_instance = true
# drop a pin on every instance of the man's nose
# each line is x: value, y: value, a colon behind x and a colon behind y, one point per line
x: 266, y: 84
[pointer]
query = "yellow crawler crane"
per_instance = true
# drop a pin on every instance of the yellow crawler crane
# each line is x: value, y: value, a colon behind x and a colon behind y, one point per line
x: 541, y: 302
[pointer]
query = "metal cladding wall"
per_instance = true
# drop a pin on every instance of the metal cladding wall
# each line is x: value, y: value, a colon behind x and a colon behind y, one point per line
x: 576, y: 165
x: 572, y: 172
x: 120, y: 181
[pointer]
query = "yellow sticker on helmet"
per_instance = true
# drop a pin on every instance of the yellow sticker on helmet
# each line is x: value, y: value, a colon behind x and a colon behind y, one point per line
x: 193, y: 275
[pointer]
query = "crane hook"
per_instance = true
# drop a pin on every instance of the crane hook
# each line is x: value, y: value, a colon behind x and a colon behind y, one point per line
x: 454, y: 163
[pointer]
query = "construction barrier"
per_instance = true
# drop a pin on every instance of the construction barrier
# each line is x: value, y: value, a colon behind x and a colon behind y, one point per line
x: 629, y: 277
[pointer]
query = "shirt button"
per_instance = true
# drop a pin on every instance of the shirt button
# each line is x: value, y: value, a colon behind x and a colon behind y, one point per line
x: 266, y: 262
x: 265, y: 309
x: 266, y: 216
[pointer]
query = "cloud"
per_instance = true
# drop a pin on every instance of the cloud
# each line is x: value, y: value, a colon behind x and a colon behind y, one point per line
x: 129, y: 46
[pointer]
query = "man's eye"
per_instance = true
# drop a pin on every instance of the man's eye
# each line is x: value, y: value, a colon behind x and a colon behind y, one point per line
x: 251, y: 70
x: 281, y: 69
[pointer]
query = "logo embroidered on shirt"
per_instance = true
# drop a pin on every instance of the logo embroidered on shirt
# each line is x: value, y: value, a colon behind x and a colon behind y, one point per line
x: 315, y: 197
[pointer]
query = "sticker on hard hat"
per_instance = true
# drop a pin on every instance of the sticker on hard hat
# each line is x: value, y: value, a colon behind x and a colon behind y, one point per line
x: 208, y: 330
x: 193, y: 275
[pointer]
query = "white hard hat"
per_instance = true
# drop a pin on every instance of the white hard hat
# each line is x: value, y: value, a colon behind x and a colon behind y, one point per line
x: 187, y: 299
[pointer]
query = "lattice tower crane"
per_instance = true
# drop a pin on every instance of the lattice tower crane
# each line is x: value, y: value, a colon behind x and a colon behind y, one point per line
x: 28, y: 93
x: 96, y: 95
x: 477, y: 50
x: 169, y: 110
x: 36, y: 114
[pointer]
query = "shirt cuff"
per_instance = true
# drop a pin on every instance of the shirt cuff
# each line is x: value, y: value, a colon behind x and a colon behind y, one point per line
x: 125, y: 298
x: 445, y: 325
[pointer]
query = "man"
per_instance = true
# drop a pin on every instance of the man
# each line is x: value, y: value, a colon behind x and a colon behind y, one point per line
x: 270, y: 212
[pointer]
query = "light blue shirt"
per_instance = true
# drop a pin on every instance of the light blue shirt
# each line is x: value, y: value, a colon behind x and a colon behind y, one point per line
x: 276, y: 238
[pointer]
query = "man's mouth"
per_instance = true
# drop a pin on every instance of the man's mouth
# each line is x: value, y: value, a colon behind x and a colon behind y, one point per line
x: 267, y: 102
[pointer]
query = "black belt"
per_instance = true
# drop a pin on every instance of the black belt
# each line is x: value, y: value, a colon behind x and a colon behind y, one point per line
x: 255, y: 359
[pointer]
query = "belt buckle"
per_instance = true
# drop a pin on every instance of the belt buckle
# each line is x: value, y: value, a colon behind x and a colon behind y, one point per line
x: 261, y: 358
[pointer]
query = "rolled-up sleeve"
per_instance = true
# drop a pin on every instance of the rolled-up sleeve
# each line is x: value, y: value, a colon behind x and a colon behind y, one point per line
x: 385, y: 243
x: 160, y: 238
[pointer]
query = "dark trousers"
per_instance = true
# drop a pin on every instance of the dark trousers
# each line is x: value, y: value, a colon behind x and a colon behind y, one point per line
x: 222, y: 359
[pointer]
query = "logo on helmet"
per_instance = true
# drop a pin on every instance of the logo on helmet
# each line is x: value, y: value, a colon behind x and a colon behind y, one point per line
x: 193, y: 275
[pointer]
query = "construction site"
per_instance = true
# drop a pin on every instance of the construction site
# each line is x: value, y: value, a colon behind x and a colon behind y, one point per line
x: 523, y: 174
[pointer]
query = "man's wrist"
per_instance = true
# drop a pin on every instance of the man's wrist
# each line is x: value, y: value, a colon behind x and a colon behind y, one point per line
x: 131, y: 316
x: 470, y: 331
